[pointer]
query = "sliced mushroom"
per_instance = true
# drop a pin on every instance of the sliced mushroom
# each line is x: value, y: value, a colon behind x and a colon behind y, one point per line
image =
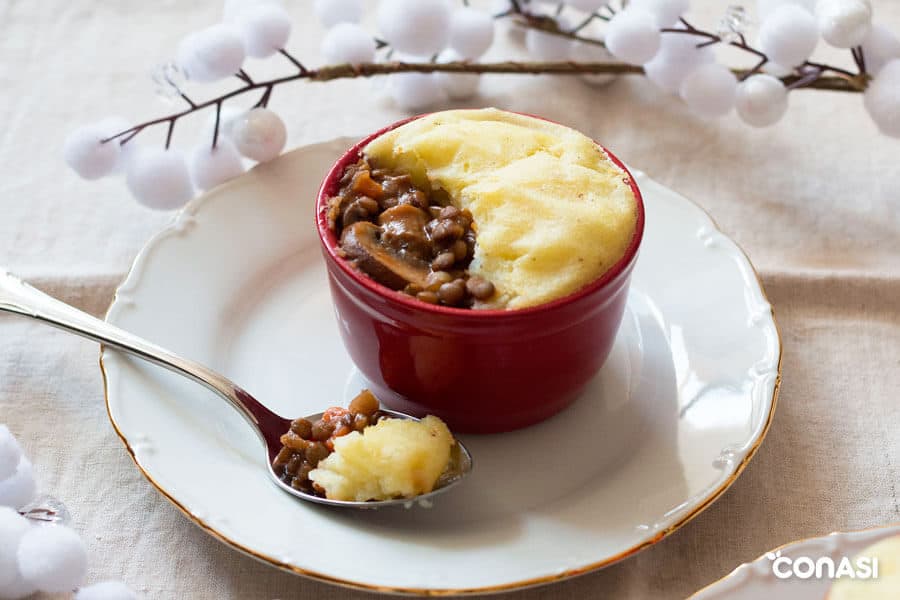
x: 363, y: 247
x: 403, y: 231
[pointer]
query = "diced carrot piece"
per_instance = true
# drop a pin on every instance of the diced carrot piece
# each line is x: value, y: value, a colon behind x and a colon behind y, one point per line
x: 365, y: 185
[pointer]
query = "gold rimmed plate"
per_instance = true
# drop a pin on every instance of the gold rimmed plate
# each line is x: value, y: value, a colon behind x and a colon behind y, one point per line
x: 237, y: 282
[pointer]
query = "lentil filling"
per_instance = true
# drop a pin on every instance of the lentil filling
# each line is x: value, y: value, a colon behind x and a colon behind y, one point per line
x: 408, y: 239
x: 308, y: 443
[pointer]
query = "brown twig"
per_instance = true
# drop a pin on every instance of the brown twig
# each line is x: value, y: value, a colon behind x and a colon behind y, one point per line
x: 330, y: 73
x: 712, y: 39
x: 809, y: 75
x: 215, y: 139
x: 549, y: 26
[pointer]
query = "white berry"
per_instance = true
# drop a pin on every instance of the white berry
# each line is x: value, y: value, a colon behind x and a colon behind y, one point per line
x: 53, y: 558
x: 12, y: 527
x: 264, y: 29
x: 415, y: 91
x: 332, y: 12
x: 633, y: 36
x: 665, y: 12
x: 106, y: 590
x: 879, y: 48
x: 159, y: 179
x: 582, y: 52
x: 844, y: 23
x: 709, y: 90
x: 348, y: 43
x: 761, y: 100
x: 882, y: 99
x: 548, y: 46
x: 471, y: 32
x: 419, y: 27
x: 458, y: 86
x: 588, y: 6
x: 86, y: 153
x: 18, y: 490
x: 776, y: 70
x: 213, y: 166
x: 678, y: 55
x: 259, y: 134
x: 212, y: 53
x: 789, y: 35
x: 10, y: 453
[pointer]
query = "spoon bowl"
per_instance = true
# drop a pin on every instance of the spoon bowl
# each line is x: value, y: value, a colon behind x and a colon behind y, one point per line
x: 17, y: 297
x: 460, y: 465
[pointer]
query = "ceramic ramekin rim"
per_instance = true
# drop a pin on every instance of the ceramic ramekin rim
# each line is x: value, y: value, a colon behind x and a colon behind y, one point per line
x: 329, y: 242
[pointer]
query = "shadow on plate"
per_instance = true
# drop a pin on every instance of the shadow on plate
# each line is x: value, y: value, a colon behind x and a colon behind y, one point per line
x: 622, y: 428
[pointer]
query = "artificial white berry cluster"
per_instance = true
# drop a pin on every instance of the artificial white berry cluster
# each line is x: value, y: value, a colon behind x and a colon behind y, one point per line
x: 416, y: 31
x: 432, y: 50
x: 653, y: 34
x: 38, y: 554
x: 166, y: 178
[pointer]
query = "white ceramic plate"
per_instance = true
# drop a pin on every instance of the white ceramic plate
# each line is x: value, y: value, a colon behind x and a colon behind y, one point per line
x: 755, y: 580
x: 237, y: 282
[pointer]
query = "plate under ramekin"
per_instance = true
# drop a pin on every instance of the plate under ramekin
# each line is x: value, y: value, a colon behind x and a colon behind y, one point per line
x: 237, y: 282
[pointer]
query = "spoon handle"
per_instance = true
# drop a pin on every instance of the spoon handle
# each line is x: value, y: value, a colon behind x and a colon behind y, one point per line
x: 18, y: 297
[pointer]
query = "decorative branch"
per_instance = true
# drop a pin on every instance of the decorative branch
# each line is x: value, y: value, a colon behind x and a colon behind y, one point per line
x: 293, y: 60
x: 712, y: 39
x: 330, y: 73
x: 549, y: 26
x: 708, y: 89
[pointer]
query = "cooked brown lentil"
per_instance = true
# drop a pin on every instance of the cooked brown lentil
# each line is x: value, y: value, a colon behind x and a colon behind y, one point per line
x: 306, y: 444
x: 405, y: 238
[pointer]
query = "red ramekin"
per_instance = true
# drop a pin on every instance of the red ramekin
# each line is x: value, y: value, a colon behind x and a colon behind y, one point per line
x: 481, y: 371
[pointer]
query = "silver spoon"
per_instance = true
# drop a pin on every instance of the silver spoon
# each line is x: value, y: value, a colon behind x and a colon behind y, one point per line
x: 20, y: 298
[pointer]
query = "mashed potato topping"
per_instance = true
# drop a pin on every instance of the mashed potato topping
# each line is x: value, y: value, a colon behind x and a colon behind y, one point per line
x: 395, y: 458
x: 551, y: 210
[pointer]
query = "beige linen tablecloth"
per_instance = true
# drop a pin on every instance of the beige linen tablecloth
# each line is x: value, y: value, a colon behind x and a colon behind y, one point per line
x: 815, y: 201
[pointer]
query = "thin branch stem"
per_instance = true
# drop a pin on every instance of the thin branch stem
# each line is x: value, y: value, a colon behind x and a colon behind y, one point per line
x: 169, y: 133
x: 187, y: 99
x: 805, y: 79
x: 850, y: 76
x: 218, y: 121
x: 264, y: 99
x: 756, y: 68
x: 134, y: 131
x: 859, y: 58
x: 549, y: 26
x: 585, y: 23
x: 712, y: 39
x: 294, y: 61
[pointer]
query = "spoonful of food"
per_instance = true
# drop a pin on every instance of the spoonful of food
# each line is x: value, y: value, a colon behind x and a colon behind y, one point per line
x: 363, y: 456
